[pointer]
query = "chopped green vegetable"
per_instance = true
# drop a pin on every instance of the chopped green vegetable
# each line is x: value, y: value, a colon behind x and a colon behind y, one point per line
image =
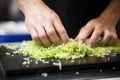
x: 71, y: 50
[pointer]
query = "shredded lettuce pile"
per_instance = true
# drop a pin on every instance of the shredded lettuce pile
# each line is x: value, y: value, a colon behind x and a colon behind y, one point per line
x: 71, y: 50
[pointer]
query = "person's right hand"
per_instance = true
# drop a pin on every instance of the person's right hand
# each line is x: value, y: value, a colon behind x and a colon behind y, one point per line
x: 45, y: 25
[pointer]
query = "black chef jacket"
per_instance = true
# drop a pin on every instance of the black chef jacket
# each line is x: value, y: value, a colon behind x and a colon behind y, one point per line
x: 76, y: 13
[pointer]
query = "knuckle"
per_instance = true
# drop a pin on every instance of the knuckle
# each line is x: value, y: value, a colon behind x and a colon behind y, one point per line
x: 93, y: 21
x: 62, y: 31
x: 42, y: 36
x: 51, y: 12
x: 53, y: 16
x: 82, y: 39
x: 97, y: 23
x: 100, y: 24
x: 83, y: 28
x: 35, y: 37
x: 51, y: 32
x: 90, y: 23
x: 98, y: 33
x: 109, y: 35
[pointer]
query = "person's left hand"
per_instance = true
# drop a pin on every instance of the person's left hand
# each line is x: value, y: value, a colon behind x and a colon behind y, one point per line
x: 96, y: 28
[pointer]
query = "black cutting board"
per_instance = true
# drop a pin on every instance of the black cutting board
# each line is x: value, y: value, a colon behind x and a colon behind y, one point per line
x: 13, y: 64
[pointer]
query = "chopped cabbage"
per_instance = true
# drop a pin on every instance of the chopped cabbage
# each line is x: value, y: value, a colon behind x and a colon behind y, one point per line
x: 71, y: 50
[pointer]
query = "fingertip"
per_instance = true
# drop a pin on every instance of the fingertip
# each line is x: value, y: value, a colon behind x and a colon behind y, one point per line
x: 58, y: 42
x: 91, y: 43
x: 80, y: 40
x: 65, y: 40
x: 47, y: 45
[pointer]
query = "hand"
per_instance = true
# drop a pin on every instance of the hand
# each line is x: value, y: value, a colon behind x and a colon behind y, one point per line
x: 45, y: 26
x: 103, y: 26
x: 95, y: 29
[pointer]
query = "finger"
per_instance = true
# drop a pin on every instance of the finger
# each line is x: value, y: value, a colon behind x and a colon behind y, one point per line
x: 107, y: 37
x: 52, y: 33
x: 60, y: 30
x: 34, y: 34
x: 96, y: 34
x: 84, y: 34
x: 43, y: 36
x: 113, y: 40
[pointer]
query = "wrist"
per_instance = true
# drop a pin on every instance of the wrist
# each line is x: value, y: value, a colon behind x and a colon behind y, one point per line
x: 112, y: 13
x: 27, y: 6
x: 109, y: 18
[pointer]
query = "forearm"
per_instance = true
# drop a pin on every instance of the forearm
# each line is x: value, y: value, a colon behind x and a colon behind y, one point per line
x: 29, y: 5
x: 112, y: 12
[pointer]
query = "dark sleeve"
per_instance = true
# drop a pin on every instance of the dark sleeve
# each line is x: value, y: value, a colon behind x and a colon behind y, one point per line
x: 76, y: 13
x: 4, y: 10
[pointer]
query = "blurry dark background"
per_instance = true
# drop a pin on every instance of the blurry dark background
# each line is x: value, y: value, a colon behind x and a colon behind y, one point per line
x: 118, y: 29
x: 69, y: 15
x: 9, y: 11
